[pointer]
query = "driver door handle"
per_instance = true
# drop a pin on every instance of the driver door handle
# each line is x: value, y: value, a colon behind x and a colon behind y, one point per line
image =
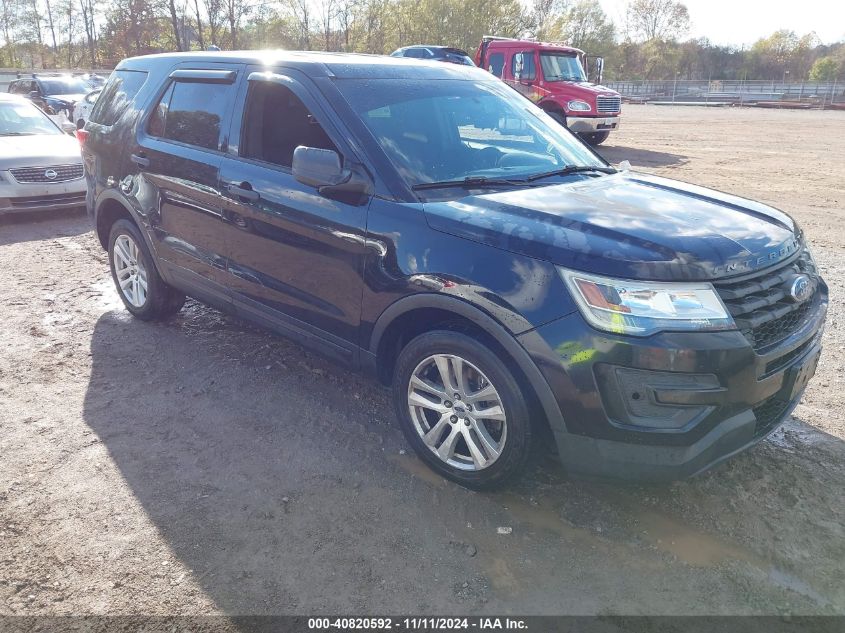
x: 243, y: 191
x: 140, y: 160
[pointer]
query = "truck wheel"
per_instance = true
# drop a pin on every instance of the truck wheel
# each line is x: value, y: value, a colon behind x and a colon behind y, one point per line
x: 142, y: 290
x: 596, y: 138
x: 557, y: 116
x: 461, y: 409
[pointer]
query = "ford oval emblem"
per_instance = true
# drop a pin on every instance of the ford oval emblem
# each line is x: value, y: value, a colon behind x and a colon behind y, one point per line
x: 800, y: 288
x: 51, y: 174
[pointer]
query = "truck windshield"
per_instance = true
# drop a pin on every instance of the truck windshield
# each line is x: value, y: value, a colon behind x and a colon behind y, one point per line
x: 560, y: 67
x: 453, y: 130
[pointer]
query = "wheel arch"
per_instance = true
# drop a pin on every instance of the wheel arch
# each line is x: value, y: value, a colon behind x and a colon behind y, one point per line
x: 424, y: 312
x: 109, y: 210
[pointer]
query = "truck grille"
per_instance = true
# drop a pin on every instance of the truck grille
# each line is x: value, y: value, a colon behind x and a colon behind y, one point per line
x: 760, y: 306
x: 605, y: 104
x: 63, y: 173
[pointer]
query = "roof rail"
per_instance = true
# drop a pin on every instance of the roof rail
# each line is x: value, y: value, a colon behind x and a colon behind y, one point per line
x: 490, y: 38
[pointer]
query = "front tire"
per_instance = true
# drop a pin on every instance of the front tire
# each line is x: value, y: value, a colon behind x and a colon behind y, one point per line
x: 595, y: 138
x: 462, y: 409
x: 142, y: 290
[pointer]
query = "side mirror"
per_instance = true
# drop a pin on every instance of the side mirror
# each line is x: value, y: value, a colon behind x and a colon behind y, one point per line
x: 317, y: 167
x: 321, y: 168
x: 33, y: 94
x: 68, y: 127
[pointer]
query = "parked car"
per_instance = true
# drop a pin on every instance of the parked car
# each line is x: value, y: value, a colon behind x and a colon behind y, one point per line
x: 83, y: 107
x: 555, y: 78
x: 454, y: 241
x: 40, y: 165
x: 436, y: 53
x: 53, y: 93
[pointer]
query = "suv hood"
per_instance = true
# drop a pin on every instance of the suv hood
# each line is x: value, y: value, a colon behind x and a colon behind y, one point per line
x: 37, y: 150
x: 626, y: 225
x: 71, y: 98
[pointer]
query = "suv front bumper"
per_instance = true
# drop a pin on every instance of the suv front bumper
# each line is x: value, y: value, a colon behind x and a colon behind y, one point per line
x: 669, y: 405
x: 592, y: 124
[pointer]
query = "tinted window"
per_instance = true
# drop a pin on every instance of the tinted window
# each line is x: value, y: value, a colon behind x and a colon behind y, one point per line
x: 496, y: 64
x: 116, y: 96
x: 192, y: 113
x: 64, y: 86
x: 418, y: 53
x: 522, y: 66
x: 276, y: 122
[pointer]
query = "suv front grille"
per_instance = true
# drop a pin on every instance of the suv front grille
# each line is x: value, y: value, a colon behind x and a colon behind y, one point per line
x: 63, y: 173
x: 605, y: 105
x: 760, y: 306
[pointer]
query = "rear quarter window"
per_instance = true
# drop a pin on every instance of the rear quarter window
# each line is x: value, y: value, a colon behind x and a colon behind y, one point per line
x: 117, y: 95
x: 191, y: 113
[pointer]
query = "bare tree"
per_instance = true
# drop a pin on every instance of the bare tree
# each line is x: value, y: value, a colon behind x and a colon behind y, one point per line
x: 174, y: 21
x: 200, y: 37
x: 657, y: 19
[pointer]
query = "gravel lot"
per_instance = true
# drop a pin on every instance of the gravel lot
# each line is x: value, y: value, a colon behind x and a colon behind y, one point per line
x: 204, y: 466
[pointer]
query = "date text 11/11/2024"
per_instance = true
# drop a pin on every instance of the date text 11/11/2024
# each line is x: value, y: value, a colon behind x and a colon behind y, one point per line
x: 417, y: 624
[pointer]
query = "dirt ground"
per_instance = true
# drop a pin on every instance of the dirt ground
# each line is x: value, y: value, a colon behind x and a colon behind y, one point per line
x: 204, y: 466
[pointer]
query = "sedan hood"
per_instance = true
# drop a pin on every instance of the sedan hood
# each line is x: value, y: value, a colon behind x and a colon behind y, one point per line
x: 626, y: 225
x: 37, y: 150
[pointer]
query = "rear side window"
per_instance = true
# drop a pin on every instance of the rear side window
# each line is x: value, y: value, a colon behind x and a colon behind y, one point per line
x: 116, y: 96
x: 522, y: 66
x: 496, y: 64
x: 191, y: 113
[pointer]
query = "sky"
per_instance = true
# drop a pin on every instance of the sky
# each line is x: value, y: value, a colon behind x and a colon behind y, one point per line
x: 742, y: 22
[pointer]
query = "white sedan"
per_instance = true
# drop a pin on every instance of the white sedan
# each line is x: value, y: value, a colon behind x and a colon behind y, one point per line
x: 40, y: 165
x: 83, y: 108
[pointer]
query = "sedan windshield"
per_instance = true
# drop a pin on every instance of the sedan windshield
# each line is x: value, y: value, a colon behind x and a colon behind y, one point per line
x: 559, y: 67
x: 24, y: 119
x: 69, y: 86
x: 455, y: 130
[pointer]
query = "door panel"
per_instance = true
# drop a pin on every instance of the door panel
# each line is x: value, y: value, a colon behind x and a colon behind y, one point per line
x: 178, y: 161
x: 293, y: 254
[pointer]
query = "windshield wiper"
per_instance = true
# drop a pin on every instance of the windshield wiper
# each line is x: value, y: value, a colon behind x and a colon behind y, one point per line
x: 471, y: 182
x: 571, y: 169
x: 16, y: 133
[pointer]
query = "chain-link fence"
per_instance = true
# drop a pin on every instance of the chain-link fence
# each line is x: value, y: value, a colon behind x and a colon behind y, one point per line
x: 735, y: 92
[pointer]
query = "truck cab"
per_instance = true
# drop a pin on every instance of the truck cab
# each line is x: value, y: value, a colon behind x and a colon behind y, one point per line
x: 555, y: 77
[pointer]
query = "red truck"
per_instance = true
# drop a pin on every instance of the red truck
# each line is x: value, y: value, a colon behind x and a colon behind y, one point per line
x: 553, y: 76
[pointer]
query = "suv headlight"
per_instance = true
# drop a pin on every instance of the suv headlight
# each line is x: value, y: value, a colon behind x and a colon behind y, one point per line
x: 579, y: 106
x: 641, y: 308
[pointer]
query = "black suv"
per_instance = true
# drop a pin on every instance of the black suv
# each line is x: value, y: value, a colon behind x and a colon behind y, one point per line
x: 53, y: 93
x: 428, y: 225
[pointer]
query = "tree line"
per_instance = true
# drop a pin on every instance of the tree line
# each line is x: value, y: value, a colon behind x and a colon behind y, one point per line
x: 648, y: 43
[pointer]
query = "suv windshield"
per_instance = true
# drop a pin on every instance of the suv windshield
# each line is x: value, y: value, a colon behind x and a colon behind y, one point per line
x: 462, y: 129
x: 67, y: 86
x: 560, y: 67
x: 24, y: 119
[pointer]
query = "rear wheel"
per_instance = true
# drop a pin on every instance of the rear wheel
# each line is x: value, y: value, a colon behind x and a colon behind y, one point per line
x: 461, y: 409
x: 142, y: 290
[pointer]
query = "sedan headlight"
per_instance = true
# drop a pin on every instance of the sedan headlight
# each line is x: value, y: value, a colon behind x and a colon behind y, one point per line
x: 579, y: 106
x: 641, y: 308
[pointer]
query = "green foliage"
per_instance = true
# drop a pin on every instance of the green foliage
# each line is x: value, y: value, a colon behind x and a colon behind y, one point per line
x: 825, y: 69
